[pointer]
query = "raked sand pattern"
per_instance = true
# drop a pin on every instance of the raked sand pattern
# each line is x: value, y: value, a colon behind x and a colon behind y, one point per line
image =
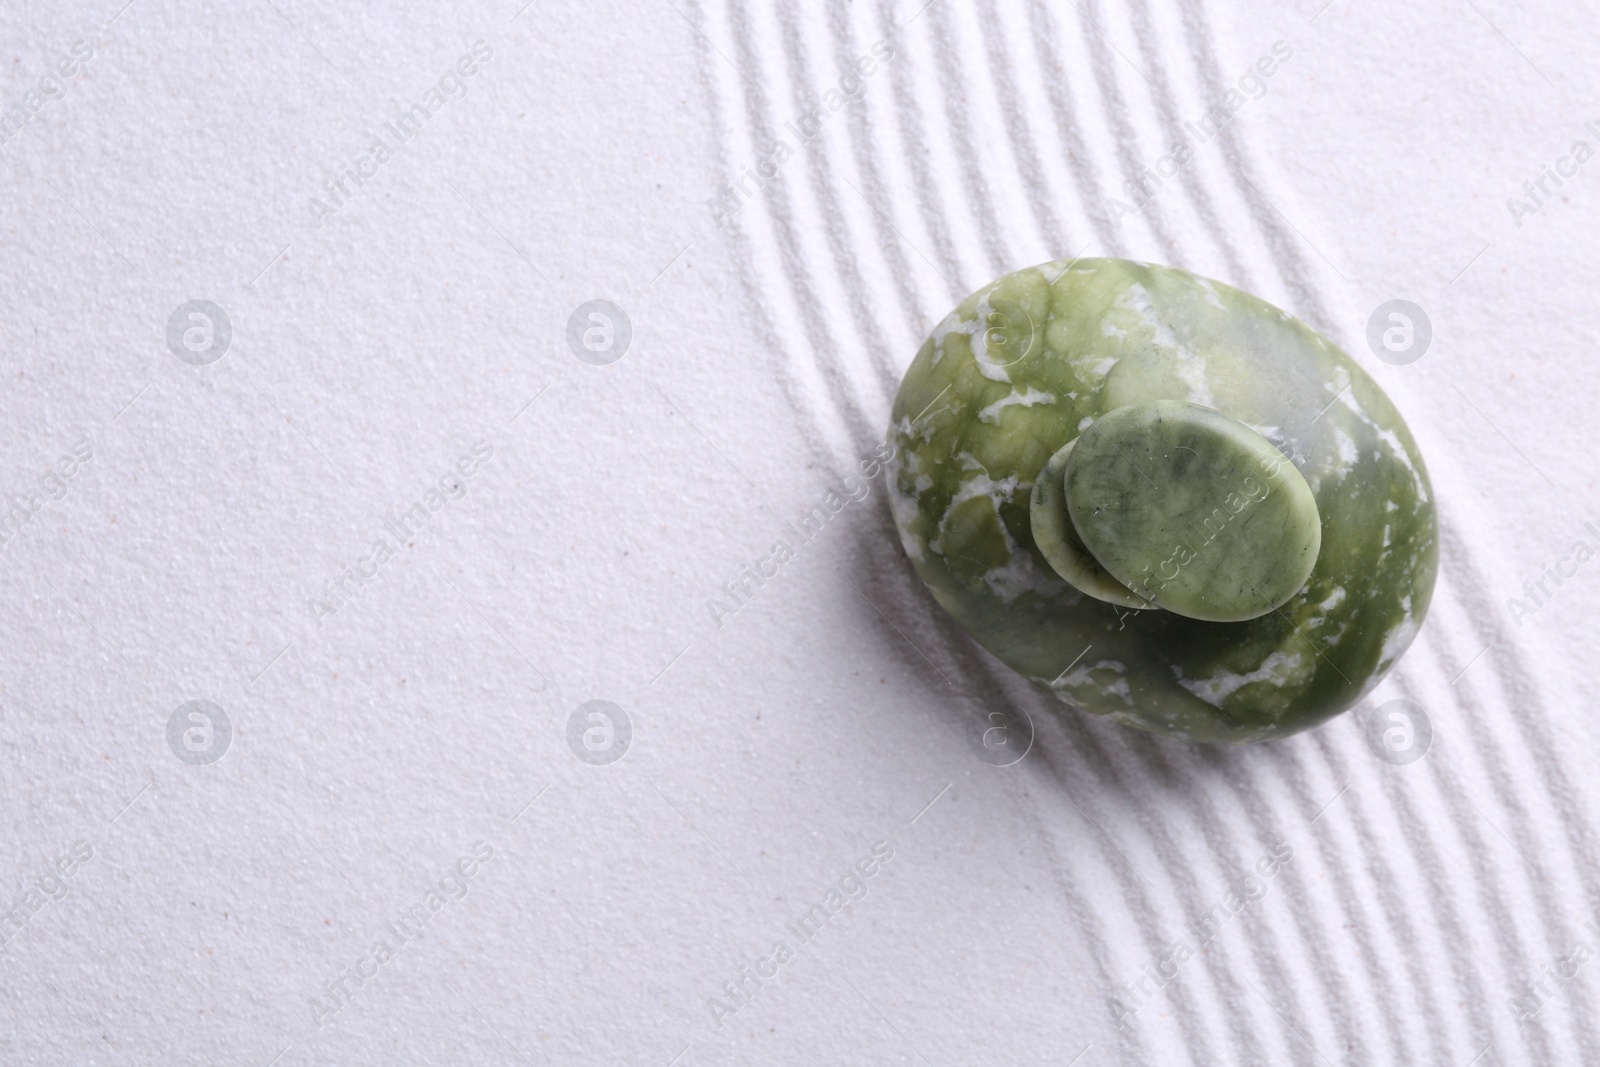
x: 999, y: 135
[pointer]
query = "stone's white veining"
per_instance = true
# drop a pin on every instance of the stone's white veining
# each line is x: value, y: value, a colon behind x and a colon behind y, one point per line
x: 1348, y: 452
x: 1019, y: 575
x: 907, y: 507
x: 980, y: 484
x: 1212, y: 296
x: 1191, y: 368
x: 905, y: 510
x: 1398, y: 452
x: 951, y: 323
x: 1095, y: 373
x: 1080, y: 676
x: 1396, y: 641
x: 903, y: 428
x: 1027, y: 397
x: 979, y: 331
x: 1282, y: 668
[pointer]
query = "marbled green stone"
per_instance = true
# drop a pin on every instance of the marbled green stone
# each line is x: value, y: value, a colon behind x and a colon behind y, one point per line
x: 1194, y: 512
x: 1058, y: 541
x: 1029, y: 362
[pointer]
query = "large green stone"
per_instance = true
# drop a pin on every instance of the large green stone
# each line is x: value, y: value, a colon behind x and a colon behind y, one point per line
x: 1028, y: 364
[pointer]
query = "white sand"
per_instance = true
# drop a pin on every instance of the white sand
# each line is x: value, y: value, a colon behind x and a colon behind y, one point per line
x: 579, y: 553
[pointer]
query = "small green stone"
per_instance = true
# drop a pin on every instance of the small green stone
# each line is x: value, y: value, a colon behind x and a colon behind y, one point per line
x: 1193, y: 511
x: 1059, y: 542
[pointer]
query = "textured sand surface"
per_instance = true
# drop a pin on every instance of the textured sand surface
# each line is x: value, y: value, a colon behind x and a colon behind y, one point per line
x: 396, y: 530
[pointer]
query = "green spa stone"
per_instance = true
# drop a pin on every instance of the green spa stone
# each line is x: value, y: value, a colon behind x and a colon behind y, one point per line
x: 1058, y: 541
x: 1192, y: 511
x: 1162, y: 500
